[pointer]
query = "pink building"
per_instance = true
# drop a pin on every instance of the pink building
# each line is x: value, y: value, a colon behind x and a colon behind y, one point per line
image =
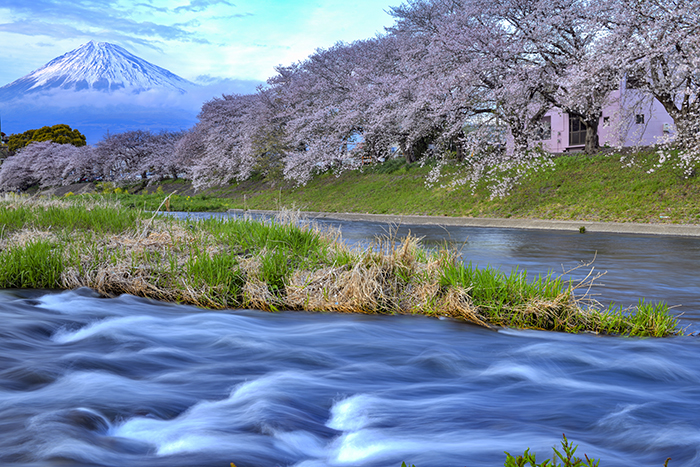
x: 628, y: 120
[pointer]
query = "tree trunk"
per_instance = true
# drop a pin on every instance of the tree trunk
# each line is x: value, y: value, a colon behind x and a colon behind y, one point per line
x: 457, y: 146
x: 592, y: 138
x: 414, y: 150
x: 687, y: 129
x: 687, y: 132
x: 459, y: 151
x: 411, y: 154
x: 406, y: 151
x: 419, y: 148
x: 521, y: 142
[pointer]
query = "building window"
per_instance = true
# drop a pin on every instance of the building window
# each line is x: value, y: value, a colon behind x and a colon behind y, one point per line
x: 577, y: 131
x: 639, y: 119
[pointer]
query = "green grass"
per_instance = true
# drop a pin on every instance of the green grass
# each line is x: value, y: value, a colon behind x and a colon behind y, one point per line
x: 219, y: 278
x: 567, y: 456
x: 182, y: 203
x: 575, y: 187
x: 601, y: 188
x: 81, y: 213
x: 36, y: 265
x: 282, y: 264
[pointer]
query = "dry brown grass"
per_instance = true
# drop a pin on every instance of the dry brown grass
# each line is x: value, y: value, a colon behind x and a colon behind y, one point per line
x: 457, y: 303
x: 13, y: 201
x: 23, y: 237
x: 170, y: 260
x: 124, y: 263
x: 391, y: 277
x: 356, y: 290
x: 561, y: 312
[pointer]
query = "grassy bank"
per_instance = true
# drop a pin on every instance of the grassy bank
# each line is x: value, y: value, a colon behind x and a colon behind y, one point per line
x: 605, y: 187
x: 95, y: 242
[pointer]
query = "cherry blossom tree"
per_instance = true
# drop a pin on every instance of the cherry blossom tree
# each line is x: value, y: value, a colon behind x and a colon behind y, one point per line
x: 405, y: 97
x: 232, y: 139
x: 82, y: 165
x: 479, y: 73
x: 658, y: 43
x: 16, y: 173
x: 323, y: 102
x: 47, y: 164
x: 121, y: 155
x: 48, y: 161
x: 564, y: 41
x: 269, y: 141
x: 161, y: 160
x: 189, y: 149
x: 138, y: 155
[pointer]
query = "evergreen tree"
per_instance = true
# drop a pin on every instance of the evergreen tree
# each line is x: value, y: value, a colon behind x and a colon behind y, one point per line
x: 59, y: 134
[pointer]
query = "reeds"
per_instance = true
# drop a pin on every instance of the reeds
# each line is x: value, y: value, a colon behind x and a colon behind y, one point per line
x: 283, y: 264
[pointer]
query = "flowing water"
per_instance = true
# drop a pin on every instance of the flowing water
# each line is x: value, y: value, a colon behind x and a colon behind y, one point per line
x: 88, y: 381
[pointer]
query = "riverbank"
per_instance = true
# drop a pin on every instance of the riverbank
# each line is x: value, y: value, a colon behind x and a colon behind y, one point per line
x: 596, y: 193
x: 273, y: 265
x: 681, y: 230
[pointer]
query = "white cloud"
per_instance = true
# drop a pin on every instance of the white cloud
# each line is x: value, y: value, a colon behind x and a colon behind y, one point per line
x: 242, y: 39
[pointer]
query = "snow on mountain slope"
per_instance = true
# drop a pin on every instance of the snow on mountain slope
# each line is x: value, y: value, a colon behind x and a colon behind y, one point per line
x: 96, y: 66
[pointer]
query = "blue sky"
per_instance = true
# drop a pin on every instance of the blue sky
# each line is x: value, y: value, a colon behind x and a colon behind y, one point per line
x: 227, y: 39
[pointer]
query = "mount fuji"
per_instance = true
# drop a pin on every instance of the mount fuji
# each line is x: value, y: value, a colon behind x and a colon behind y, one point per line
x: 101, y: 88
x: 96, y: 66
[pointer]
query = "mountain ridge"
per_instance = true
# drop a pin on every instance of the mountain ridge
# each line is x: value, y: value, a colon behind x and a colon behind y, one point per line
x: 97, y: 66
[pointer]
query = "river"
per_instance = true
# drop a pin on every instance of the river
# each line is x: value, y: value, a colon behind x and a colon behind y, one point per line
x: 88, y: 381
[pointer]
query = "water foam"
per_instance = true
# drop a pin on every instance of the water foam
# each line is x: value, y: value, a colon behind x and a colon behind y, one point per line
x: 111, y: 327
x: 227, y: 423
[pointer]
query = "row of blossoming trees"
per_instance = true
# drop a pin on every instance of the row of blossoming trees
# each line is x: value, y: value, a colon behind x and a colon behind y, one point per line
x: 129, y: 156
x: 454, y: 78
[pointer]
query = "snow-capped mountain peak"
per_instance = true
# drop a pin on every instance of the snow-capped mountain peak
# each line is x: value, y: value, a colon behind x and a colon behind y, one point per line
x: 96, y: 66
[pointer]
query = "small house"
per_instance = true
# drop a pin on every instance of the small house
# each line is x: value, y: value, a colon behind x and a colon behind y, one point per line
x: 630, y: 119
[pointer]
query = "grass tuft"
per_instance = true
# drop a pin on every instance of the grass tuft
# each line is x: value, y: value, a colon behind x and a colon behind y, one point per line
x: 284, y: 264
x: 37, y: 264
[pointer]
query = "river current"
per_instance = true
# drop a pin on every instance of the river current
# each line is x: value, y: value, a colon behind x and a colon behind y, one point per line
x: 89, y: 381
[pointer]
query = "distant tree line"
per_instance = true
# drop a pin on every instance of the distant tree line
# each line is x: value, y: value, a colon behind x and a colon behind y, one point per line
x: 453, y: 79
x: 124, y: 157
